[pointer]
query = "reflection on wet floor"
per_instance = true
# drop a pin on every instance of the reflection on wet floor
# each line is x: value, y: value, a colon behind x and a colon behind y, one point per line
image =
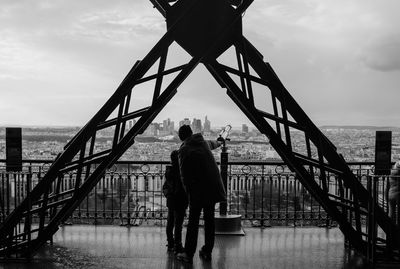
x: 82, y: 246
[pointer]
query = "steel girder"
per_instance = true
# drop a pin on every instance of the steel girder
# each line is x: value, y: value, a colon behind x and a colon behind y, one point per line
x: 326, y: 162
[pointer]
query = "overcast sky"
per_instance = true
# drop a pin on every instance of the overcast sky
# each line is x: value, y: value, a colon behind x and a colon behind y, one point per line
x: 60, y: 60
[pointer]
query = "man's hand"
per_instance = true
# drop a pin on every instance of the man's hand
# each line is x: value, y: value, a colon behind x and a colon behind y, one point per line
x: 219, y: 142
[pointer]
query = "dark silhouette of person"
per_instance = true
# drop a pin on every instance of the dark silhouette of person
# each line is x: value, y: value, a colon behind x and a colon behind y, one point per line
x: 177, y: 203
x: 201, y: 178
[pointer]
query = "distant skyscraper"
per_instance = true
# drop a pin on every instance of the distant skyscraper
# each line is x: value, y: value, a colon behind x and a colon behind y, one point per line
x: 156, y: 126
x: 245, y: 128
x: 207, y: 125
x: 171, y: 127
x: 185, y: 121
x: 166, y: 124
x: 168, y: 127
x: 196, y: 125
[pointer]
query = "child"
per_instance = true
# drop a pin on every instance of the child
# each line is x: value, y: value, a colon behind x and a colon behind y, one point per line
x: 177, y: 203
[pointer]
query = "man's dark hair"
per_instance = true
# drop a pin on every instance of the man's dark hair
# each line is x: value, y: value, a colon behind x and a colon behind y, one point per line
x: 184, y: 132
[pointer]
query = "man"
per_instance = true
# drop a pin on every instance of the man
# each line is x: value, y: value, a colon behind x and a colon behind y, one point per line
x: 201, y: 178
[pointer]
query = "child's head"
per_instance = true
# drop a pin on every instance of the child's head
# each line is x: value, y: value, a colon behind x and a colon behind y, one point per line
x: 174, y: 157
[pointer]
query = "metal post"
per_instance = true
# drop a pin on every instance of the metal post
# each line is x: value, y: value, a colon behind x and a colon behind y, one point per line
x: 224, y: 175
x: 226, y: 224
x: 223, y: 137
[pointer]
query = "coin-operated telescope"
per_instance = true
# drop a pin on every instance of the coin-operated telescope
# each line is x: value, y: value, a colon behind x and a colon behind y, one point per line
x: 224, y: 223
x: 223, y: 136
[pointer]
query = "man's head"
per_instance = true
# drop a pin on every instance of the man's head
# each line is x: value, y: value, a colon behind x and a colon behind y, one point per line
x: 184, y: 132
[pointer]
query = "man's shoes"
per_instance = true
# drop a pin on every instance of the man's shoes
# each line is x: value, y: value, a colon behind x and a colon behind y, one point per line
x: 178, y: 249
x: 205, y: 255
x: 185, y: 257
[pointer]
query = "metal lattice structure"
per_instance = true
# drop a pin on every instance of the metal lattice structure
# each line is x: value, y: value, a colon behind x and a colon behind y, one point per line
x: 205, y: 29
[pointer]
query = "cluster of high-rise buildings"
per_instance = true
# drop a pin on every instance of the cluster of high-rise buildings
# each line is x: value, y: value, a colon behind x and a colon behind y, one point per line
x: 167, y: 127
x: 197, y: 125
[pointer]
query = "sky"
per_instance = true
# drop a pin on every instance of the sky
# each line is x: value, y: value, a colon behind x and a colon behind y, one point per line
x: 60, y: 60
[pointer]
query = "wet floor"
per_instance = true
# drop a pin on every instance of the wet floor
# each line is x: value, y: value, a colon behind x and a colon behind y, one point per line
x: 116, y: 247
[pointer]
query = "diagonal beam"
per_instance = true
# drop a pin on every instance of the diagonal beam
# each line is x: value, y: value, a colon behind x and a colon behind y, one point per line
x: 280, y: 120
x: 243, y: 75
x: 267, y: 74
x: 235, y: 93
x: 89, y: 129
x: 116, y: 153
x: 159, y: 79
x: 162, y: 6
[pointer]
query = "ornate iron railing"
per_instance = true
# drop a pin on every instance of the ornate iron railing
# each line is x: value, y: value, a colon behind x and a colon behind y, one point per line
x: 264, y: 193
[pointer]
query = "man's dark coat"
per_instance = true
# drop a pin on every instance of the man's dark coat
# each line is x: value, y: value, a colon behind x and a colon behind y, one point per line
x: 199, y: 172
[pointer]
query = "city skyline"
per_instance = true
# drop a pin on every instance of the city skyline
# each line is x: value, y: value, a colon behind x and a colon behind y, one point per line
x: 355, y: 144
x: 339, y: 59
x: 168, y: 126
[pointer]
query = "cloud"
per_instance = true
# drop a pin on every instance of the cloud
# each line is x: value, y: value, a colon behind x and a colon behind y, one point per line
x: 86, y: 33
x: 382, y: 54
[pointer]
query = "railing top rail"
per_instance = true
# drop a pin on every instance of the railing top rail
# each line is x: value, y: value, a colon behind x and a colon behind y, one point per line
x: 269, y: 162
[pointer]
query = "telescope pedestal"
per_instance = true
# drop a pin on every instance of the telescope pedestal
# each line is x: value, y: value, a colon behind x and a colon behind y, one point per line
x: 228, y: 225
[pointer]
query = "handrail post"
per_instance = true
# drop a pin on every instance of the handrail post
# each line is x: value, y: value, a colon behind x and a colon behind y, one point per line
x: 223, y: 206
